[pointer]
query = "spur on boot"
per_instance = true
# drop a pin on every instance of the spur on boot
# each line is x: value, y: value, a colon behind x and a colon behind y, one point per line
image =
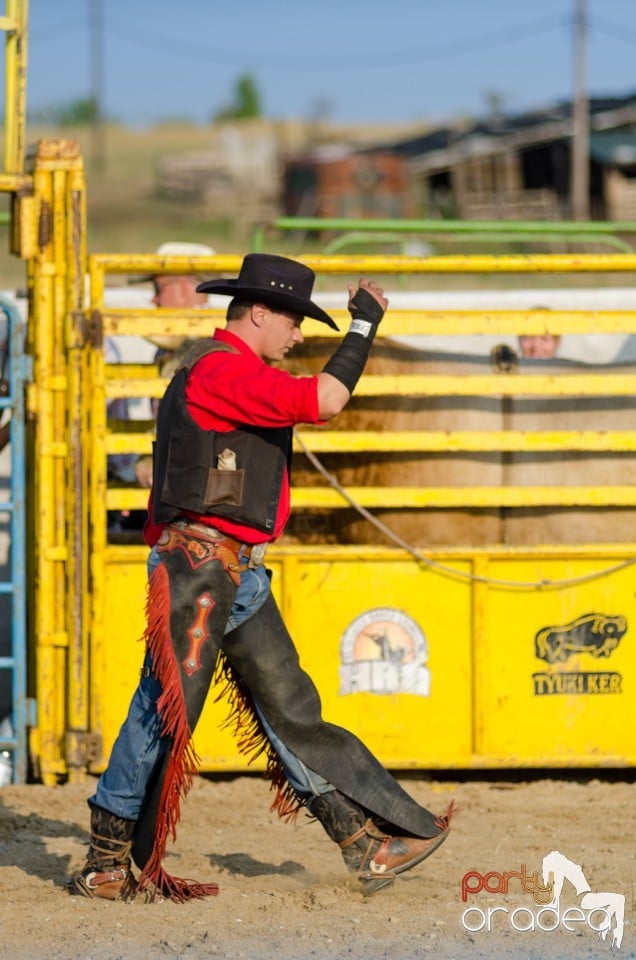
x: 107, y: 872
x: 383, y: 857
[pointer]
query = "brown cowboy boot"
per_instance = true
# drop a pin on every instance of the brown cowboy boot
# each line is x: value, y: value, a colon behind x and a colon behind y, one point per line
x: 373, y: 856
x: 107, y: 872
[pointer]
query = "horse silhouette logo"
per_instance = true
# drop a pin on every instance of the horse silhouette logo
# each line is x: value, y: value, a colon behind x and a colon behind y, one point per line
x: 593, y: 633
x: 384, y: 651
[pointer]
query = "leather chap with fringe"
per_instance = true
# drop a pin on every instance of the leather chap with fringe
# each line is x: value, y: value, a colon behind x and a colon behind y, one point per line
x: 244, y: 723
x: 189, y: 599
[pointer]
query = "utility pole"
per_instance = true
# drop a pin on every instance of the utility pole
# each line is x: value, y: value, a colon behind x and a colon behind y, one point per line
x: 580, y: 171
x: 98, y: 132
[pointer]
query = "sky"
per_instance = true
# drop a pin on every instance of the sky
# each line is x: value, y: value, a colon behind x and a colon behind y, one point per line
x: 377, y: 61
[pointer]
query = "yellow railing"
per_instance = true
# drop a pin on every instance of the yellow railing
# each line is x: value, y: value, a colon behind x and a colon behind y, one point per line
x: 52, y: 228
x: 14, y: 23
x: 134, y: 381
x: 76, y: 657
x: 72, y: 435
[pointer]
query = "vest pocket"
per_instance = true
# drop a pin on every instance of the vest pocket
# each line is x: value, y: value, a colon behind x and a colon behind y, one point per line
x: 224, y: 486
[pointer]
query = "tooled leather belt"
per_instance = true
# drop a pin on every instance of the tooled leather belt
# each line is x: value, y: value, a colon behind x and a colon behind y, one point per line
x: 254, y: 553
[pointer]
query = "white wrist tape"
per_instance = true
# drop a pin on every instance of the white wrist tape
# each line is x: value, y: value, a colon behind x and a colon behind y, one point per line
x: 363, y: 327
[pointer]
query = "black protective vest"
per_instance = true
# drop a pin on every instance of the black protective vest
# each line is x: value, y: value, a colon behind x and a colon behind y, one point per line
x: 236, y: 474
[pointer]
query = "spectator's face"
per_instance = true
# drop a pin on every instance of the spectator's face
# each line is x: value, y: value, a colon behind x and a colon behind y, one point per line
x: 541, y: 347
x: 176, y: 292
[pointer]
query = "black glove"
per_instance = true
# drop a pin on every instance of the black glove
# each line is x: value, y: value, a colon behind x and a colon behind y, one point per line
x: 365, y: 307
x: 349, y: 360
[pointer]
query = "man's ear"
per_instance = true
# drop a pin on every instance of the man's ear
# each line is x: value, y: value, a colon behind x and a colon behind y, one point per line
x: 258, y: 313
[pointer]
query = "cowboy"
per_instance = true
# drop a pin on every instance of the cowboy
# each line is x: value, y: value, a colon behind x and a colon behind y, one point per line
x: 220, y: 496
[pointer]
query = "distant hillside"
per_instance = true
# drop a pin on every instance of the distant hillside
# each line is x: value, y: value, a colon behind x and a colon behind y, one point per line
x: 126, y: 213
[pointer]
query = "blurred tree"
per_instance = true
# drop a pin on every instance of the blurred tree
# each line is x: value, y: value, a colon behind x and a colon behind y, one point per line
x: 76, y: 113
x: 246, y: 102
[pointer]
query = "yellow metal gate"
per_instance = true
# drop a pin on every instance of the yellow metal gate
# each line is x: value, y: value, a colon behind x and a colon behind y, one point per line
x: 504, y: 655
x: 488, y: 622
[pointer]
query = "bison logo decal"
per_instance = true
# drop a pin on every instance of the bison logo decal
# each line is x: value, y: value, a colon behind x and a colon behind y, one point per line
x: 593, y: 633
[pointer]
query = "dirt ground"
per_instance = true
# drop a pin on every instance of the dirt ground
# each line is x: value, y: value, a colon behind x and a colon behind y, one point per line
x: 284, y: 891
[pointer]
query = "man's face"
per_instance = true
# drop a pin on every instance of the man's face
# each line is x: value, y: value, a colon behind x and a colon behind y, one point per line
x: 540, y: 347
x: 281, y: 332
x: 173, y: 291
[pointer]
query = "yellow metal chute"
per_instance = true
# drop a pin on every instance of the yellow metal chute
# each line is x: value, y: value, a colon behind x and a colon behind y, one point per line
x: 507, y: 631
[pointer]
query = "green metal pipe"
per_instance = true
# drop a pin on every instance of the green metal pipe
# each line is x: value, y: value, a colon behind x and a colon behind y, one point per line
x: 454, y: 226
x: 487, y: 230
x: 346, y: 240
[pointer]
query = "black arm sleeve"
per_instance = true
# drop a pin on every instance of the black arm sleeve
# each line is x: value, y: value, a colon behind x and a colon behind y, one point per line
x: 348, y: 362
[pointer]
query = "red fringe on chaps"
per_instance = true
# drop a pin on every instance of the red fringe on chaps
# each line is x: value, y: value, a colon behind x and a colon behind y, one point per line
x: 183, y: 763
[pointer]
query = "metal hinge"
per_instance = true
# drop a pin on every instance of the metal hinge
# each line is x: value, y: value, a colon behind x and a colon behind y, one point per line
x: 81, y: 330
x: 95, y: 329
x: 44, y: 225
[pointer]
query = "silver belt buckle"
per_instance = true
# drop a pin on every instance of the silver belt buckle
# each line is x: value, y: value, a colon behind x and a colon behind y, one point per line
x: 257, y: 555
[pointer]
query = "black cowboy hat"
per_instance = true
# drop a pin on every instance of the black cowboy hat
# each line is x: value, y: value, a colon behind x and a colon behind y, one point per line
x: 272, y: 280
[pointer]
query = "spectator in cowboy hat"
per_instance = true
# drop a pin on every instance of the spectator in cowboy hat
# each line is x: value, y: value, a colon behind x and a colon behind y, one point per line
x: 176, y: 291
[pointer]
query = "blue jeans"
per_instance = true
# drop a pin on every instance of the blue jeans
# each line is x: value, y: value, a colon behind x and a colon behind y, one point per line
x: 139, y: 747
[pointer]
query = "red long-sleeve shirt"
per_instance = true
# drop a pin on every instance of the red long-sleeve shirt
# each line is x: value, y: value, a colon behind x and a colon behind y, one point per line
x: 226, y: 391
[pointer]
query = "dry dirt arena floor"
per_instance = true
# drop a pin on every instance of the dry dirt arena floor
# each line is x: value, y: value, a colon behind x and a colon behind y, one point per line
x: 285, y: 894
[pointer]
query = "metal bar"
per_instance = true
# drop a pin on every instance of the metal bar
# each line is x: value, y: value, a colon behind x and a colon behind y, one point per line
x: 97, y: 510
x: 378, y: 264
x: 479, y: 633
x: 475, y: 441
x: 475, y: 263
x: 517, y: 386
x: 103, y: 264
x: 401, y: 385
x: 351, y: 239
x: 77, y: 401
x: 16, y: 588
x: 465, y: 497
x: 137, y: 553
x: 343, y: 441
x: 557, y: 227
x: 15, y: 85
x: 41, y: 532
x: 398, y: 322
x: 47, y: 473
x: 388, y: 498
x: 12, y: 183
